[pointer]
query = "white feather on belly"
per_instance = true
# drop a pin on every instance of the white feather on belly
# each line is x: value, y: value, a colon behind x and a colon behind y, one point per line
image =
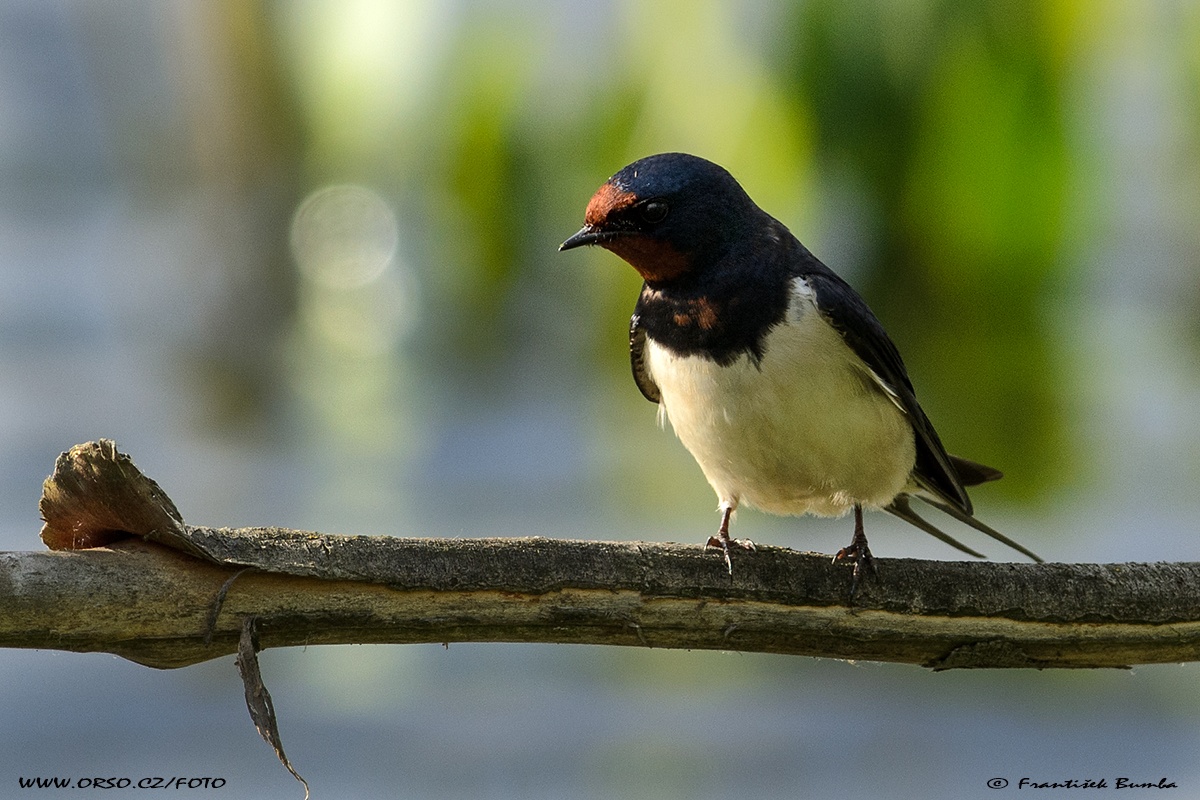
x: 808, y: 430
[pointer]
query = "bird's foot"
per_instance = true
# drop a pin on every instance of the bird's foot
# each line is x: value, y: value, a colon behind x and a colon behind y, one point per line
x: 859, y: 552
x: 863, y: 560
x: 724, y: 544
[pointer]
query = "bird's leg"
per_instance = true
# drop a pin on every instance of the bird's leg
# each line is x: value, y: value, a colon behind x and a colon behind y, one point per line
x: 723, y: 541
x: 858, y: 550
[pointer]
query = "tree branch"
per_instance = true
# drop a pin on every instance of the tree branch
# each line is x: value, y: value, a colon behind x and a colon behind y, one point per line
x: 151, y: 604
x: 148, y: 594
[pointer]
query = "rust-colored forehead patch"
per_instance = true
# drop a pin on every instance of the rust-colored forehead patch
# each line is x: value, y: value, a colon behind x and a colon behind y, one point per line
x: 607, y: 199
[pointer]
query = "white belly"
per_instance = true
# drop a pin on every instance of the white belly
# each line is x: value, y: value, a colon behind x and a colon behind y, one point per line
x: 805, y: 431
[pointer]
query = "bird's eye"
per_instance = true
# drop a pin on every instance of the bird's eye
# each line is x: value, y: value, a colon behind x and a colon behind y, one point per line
x: 654, y: 211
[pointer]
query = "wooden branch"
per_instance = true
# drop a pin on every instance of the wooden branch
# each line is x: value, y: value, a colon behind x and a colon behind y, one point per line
x: 148, y: 595
x: 151, y: 604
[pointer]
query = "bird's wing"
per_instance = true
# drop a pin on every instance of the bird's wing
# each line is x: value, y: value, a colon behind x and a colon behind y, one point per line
x: 940, y: 476
x: 859, y: 328
x: 637, y: 359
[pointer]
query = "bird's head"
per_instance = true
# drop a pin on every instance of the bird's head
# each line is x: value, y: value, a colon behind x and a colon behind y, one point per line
x: 668, y: 215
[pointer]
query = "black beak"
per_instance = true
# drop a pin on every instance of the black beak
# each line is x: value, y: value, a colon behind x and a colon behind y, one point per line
x: 587, y: 235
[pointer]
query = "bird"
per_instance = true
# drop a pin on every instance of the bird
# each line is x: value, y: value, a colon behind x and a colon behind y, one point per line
x: 772, y: 370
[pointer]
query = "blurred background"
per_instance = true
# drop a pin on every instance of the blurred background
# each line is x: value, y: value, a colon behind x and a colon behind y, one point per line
x: 299, y: 259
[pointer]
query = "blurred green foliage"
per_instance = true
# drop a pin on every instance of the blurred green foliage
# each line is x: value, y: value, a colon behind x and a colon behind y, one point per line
x: 949, y: 117
x: 943, y: 122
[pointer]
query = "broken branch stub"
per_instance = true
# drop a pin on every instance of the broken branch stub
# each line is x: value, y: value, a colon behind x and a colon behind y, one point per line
x: 97, y: 496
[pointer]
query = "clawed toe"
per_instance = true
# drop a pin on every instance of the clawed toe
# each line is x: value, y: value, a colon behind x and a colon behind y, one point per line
x: 725, y: 544
x: 859, y: 552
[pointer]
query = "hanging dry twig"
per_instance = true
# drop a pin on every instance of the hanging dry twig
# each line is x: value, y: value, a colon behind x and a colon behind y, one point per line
x: 258, y: 699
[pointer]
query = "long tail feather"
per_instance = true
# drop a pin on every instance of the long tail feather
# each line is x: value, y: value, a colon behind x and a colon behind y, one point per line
x: 972, y: 473
x: 984, y: 528
x: 900, y: 508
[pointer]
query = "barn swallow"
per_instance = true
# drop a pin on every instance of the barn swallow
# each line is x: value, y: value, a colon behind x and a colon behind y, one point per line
x: 773, y: 371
